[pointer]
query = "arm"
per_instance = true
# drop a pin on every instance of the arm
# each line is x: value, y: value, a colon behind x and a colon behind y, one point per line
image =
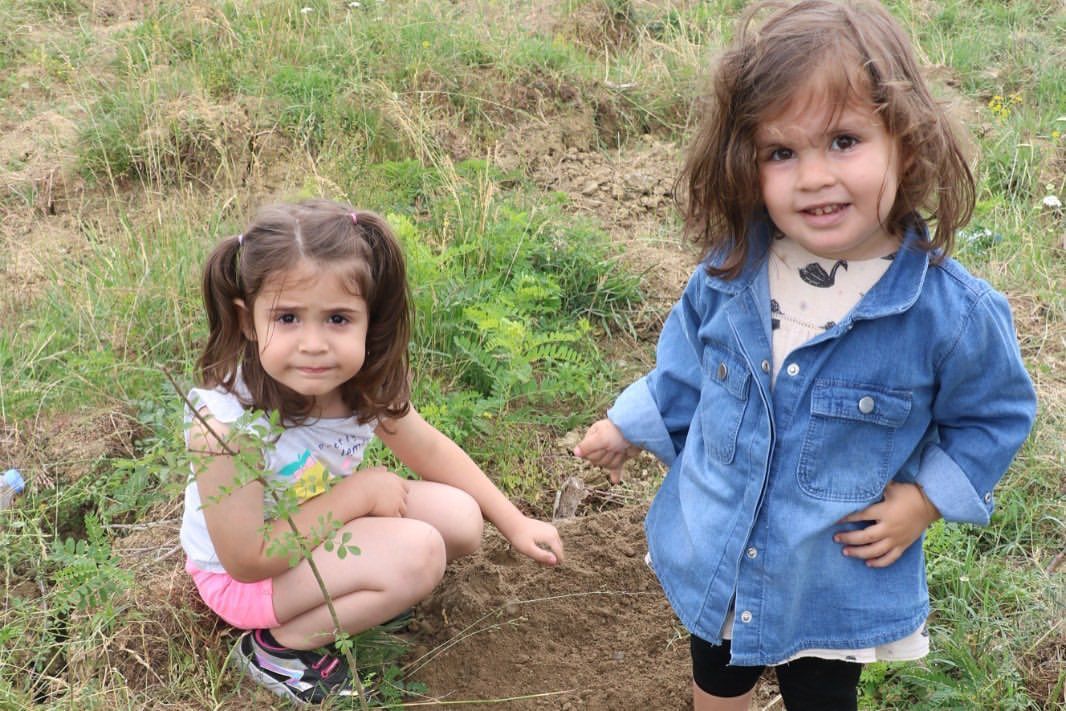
x: 982, y: 413
x: 983, y: 410
x: 235, y: 516
x: 655, y: 412
x: 435, y: 457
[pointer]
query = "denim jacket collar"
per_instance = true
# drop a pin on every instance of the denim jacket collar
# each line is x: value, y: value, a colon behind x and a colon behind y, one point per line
x: 894, y: 293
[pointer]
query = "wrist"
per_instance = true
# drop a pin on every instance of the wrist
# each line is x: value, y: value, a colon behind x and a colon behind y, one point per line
x: 931, y: 511
x: 508, y: 522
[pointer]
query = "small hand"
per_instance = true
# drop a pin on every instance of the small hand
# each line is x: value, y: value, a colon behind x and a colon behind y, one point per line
x: 899, y: 521
x: 386, y: 492
x: 605, y: 446
x: 537, y: 539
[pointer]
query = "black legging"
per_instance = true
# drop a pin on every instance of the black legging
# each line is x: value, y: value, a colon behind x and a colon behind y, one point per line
x: 807, y: 683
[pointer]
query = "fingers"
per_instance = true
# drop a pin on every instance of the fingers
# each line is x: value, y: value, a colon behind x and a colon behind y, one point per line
x: 870, y: 513
x: 870, y: 544
x: 615, y: 476
x: 591, y: 443
x: 878, y: 555
x: 548, y: 552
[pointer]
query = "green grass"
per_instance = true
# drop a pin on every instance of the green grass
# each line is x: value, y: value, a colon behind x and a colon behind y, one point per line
x: 190, y: 115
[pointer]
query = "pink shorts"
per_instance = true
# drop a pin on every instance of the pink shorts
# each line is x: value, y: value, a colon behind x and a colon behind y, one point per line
x: 246, y: 606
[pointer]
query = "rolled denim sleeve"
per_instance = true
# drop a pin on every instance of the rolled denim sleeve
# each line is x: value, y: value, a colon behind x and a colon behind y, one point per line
x: 637, y: 416
x: 983, y: 412
x: 656, y: 411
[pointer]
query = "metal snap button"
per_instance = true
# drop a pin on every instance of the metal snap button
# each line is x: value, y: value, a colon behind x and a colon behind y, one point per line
x: 766, y: 366
x: 752, y: 552
x: 722, y: 371
x: 866, y: 405
x: 988, y: 498
x: 745, y: 616
x: 793, y: 369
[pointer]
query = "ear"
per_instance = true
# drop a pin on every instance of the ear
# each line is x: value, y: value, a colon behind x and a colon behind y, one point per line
x: 245, y: 317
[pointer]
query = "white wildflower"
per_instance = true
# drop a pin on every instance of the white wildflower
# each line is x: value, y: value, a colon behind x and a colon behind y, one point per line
x: 1053, y: 202
x: 355, y: 4
x: 305, y: 10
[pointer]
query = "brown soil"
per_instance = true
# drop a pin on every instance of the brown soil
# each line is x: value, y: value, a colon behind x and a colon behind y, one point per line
x: 594, y: 633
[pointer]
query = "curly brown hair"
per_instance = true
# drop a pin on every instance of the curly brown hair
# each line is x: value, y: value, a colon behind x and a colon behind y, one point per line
x: 324, y: 233
x: 852, y: 51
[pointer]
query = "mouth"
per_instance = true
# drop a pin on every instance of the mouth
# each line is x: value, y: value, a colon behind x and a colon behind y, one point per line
x: 823, y: 210
x: 313, y: 371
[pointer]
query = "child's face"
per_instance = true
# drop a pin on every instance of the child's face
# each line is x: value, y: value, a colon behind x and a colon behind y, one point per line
x: 311, y: 333
x: 829, y: 182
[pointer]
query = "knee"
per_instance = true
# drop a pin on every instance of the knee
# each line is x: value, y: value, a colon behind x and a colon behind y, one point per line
x: 469, y: 527
x: 422, y: 565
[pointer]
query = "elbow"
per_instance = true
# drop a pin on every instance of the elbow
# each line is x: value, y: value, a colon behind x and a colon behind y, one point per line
x: 243, y: 569
x: 243, y: 576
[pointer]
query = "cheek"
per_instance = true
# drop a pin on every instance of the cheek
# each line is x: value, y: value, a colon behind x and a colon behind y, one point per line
x: 889, y: 191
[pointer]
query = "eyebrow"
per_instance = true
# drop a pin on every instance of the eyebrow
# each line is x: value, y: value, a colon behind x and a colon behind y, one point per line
x: 284, y: 308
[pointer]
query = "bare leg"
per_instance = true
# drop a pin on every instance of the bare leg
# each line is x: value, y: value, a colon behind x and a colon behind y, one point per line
x: 702, y: 701
x: 451, y: 511
x: 401, y: 560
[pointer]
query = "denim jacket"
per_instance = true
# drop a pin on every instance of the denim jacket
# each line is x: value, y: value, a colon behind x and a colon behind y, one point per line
x: 921, y: 382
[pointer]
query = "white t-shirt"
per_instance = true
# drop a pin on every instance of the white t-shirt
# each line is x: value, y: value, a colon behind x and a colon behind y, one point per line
x: 303, y: 458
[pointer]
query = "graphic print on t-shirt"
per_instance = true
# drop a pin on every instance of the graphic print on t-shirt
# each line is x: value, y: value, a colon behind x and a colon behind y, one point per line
x: 816, y: 275
x: 309, y: 474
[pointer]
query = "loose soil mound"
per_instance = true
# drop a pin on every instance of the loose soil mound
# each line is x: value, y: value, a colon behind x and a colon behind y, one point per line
x: 594, y: 633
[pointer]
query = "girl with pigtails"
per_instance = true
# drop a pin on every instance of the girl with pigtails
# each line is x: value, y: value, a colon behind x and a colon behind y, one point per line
x: 309, y: 321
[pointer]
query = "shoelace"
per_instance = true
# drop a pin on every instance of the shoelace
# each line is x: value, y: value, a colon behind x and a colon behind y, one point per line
x: 329, y: 662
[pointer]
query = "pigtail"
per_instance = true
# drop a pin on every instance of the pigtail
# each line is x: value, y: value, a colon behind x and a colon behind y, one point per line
x: 382, y: 386
x: 225, y: 333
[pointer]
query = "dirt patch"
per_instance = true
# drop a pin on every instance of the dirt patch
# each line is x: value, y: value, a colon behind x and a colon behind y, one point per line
x: 65, y: 447
x: 594, y: 633
x: 629, y: 191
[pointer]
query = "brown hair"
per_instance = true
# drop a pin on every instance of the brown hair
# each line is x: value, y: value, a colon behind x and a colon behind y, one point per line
x: 324, y: 233
x: 856, y: 51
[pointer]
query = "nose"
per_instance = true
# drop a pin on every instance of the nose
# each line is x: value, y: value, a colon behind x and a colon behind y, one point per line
x: 814, y: 172
x: 312, y: 340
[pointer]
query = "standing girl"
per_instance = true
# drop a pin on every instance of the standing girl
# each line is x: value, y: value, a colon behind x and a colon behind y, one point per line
x: 309, y: 318
x: 830, y: 382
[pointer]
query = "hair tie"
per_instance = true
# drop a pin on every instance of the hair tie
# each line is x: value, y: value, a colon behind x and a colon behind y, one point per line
x: 355, y: 217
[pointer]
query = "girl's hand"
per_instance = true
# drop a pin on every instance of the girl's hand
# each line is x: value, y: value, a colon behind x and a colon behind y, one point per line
x: 537, y: 539
x: 604, y: 446
x: 385, y: 492
x: 899, y: 521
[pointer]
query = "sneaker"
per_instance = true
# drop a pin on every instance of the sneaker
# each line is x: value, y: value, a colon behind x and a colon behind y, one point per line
x: 303, y: 677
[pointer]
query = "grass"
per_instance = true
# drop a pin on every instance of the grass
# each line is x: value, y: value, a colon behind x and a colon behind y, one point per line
x: 187, y: 115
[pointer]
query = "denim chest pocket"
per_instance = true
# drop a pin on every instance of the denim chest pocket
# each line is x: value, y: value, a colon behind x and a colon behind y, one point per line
x: 724, y: 397
x: 847, y: 453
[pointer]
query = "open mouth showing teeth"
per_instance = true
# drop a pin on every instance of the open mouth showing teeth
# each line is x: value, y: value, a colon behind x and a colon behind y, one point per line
x: 825, y: 209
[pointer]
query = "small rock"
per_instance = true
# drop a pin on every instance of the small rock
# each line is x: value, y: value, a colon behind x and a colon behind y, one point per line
x: 590, y: 187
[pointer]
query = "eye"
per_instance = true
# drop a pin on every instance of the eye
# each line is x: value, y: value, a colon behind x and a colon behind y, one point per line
x: 778, y: 154
x: 845, y: 142
x: 286, y: 318
x: 338, y: 320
